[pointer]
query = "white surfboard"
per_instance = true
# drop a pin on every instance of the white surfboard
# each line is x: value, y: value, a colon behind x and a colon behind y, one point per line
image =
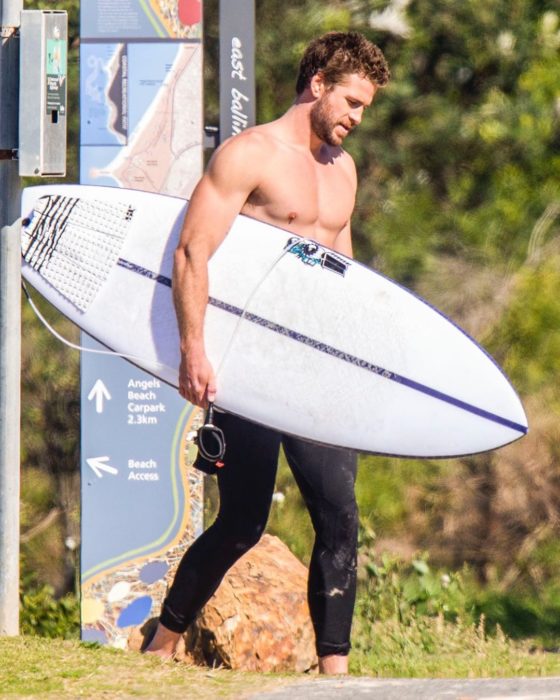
x: 302, y: 338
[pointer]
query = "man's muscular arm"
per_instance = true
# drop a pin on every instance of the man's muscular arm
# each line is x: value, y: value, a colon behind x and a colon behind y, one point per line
x: 343, y: 241
x: 219, y: 196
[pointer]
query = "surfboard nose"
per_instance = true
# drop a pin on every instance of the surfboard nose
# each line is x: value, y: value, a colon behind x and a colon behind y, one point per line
x: 522, y: 419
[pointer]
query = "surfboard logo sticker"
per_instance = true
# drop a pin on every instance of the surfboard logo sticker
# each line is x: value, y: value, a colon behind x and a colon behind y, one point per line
x: 74, y: 243
x: 311, y: 253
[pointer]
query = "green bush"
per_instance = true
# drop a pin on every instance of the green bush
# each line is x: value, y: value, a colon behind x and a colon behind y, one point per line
x: 391, y: 589
x: 523, y: 614
x: 43, y: 615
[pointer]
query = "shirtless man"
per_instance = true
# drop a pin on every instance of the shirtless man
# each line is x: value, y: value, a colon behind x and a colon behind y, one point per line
x: 292, y: 173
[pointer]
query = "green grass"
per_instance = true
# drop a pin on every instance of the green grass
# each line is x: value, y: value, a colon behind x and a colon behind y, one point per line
x: 425, y: 647
x: 54, y: 668
x: 433, y: 648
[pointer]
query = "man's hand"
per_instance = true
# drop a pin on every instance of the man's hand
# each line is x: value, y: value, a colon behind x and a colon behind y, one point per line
x: 197, y: 382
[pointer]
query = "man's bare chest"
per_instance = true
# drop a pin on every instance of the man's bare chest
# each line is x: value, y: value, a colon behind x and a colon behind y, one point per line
x: 310, y: 199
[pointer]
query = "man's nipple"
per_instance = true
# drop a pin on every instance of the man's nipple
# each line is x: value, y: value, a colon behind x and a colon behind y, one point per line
x: 291, y: 216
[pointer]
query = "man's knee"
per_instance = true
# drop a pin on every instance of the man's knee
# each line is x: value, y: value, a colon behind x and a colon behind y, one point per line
x: 241, y: 539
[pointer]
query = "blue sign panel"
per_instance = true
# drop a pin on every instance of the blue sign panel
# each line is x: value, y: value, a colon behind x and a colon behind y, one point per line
x: 133, y: 462
x: 141, y: 502
x: 141, y: 128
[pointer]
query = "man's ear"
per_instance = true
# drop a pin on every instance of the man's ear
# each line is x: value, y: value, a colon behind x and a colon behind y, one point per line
x: 317, y: 85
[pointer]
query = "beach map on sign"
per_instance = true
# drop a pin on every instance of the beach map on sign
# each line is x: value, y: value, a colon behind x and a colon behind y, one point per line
x: 141, y: 115
x: 151, y: 19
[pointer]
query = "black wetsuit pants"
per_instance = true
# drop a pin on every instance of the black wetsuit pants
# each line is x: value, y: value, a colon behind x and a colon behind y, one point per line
x: 326, y: 478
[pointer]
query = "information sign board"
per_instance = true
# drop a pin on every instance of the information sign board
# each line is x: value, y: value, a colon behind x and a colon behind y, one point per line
x: 141, y: 503
x: 141, y: 128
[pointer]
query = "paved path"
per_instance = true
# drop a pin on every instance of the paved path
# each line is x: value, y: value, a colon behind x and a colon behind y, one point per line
x: 418, y: 689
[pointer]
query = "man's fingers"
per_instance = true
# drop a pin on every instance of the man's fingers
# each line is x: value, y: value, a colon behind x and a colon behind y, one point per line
x: 197, y: 384
x: 211, y: 389
x: 195, y: 394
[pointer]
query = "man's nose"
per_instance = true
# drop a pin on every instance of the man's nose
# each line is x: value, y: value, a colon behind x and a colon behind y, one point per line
x: 356, y: 115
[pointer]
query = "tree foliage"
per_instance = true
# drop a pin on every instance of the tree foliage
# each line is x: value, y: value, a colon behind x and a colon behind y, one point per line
x: 459, y: 168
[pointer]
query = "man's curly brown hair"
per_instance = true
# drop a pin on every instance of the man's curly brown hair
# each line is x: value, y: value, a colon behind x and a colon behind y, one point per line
x: 337, y: 54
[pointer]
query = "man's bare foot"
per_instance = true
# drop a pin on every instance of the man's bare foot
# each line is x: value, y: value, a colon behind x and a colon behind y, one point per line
x: 333, y: 665
x: 163, y: 643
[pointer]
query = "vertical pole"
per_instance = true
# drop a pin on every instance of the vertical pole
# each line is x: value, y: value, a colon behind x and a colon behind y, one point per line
x: 10, y: 318
x: 237, y: 66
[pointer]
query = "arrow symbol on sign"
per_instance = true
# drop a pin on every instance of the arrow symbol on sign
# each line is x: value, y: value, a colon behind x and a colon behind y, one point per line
x: 99, y: 392
x: 99, y: 465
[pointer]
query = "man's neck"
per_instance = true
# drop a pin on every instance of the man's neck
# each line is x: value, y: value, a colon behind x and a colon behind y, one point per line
x: 298, y: 124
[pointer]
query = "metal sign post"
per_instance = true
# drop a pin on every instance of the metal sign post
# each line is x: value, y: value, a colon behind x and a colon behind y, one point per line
x: 10, y: 323
x: 33, y: 97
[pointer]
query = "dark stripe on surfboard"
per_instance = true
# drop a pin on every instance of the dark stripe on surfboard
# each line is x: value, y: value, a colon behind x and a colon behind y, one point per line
x: 133, y: 267
x: 335, y: 352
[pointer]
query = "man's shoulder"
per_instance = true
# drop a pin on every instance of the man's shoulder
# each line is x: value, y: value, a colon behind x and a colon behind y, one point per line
x: 349, y: 162
x: 255, y: 138
x: 242, y: 151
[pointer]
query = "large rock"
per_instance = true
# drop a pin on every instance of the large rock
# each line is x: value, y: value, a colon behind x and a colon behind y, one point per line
x: 258, y: 620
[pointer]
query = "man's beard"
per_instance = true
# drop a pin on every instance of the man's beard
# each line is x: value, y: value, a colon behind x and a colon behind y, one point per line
x: 323, y: 123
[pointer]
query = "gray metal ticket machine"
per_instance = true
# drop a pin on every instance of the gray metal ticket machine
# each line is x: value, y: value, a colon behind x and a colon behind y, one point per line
x: 43, y: 90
